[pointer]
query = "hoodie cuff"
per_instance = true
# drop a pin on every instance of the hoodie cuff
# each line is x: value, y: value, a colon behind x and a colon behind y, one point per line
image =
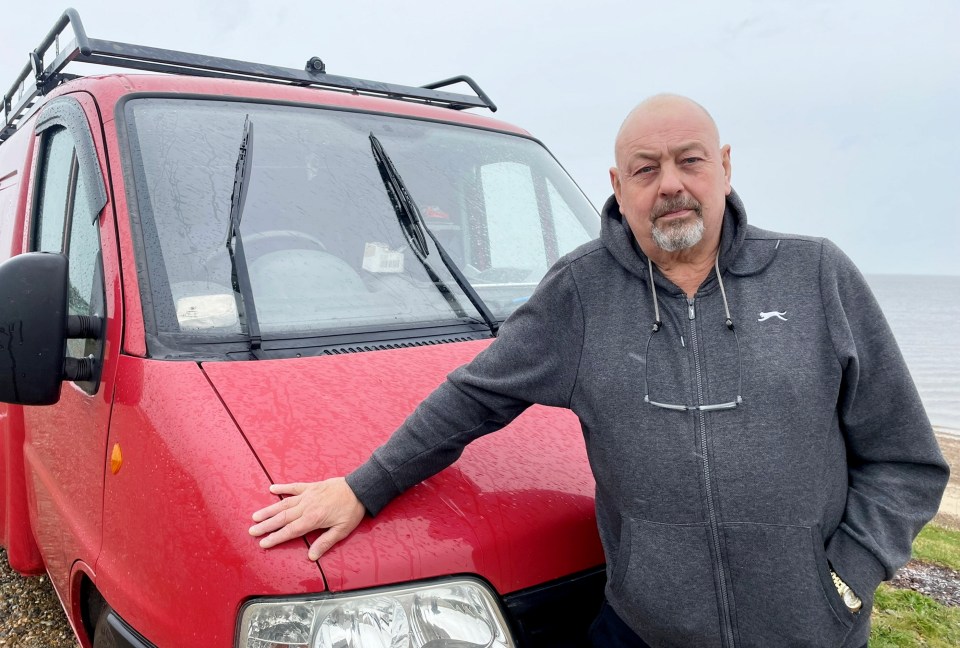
x: 856, y: 566
x: 372, y: 485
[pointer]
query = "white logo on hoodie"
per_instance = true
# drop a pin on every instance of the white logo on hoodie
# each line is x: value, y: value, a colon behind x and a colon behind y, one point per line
x: 765, y: 316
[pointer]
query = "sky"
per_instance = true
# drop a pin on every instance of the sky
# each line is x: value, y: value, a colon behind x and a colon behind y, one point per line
x: 843, y: 115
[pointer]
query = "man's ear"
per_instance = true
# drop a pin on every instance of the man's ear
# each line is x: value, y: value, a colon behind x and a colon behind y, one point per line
x: 725, y: 160
x: 615, y: 182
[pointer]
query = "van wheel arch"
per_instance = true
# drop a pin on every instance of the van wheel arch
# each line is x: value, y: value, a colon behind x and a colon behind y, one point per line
x: 111, y: 631
x: 104, y: 627
x: 91, y: 605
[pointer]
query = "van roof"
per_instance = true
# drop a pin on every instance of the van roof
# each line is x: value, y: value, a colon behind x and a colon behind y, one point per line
x: 112, y: 88
x: 183, y: 72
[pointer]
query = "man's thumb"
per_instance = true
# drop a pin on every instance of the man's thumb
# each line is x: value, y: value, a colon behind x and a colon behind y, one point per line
x: 327, y: 539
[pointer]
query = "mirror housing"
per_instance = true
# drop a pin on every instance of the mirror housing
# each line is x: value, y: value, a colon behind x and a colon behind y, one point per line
x: 33, y: 327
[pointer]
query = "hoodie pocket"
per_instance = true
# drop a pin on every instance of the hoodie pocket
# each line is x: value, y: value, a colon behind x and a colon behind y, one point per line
x: 783, y: 592
x: 662, y: 583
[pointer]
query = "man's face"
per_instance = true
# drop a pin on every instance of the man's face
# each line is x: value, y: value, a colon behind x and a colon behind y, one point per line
x: 672, y: 176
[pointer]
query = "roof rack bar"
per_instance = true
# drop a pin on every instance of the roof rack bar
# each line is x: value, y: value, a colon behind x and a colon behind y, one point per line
x: 72, y: 18
x: 42, y: 75
x: 470, y: 82
x: 42, y: 84
x: 124, y: 55
x: 163, y: 60
x: 69, y: 17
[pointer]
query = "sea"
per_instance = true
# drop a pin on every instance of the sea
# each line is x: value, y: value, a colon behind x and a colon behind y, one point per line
x: 924, y: 313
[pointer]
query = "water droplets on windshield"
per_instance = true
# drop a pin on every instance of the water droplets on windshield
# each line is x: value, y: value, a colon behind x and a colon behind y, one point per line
x: 317, y: 208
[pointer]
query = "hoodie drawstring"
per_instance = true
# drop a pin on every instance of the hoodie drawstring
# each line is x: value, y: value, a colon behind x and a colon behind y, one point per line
x: 656, y: 307
x: 723, y: 293
x: 658, y: 323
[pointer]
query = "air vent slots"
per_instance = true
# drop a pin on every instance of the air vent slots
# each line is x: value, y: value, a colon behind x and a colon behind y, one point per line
x: 392, y: 345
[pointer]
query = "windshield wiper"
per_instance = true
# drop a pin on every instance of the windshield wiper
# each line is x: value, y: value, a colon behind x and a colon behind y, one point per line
x: 412, y: 223
x: 240, y: 273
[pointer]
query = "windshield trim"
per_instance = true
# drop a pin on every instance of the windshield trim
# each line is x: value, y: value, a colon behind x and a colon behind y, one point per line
x: 175, y: 346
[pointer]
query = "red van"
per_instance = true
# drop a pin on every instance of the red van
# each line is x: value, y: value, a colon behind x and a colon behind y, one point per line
x: 229, y: 274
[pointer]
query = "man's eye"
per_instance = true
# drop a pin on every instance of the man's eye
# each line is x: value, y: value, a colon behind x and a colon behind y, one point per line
x: 691, y: 160
x: 645, y: 170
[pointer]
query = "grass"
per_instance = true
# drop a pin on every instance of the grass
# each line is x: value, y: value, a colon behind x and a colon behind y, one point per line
x: 904, y: 618
x: 938, y: 545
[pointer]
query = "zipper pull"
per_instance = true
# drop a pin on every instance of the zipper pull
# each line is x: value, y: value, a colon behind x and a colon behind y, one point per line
x: 690, y: 312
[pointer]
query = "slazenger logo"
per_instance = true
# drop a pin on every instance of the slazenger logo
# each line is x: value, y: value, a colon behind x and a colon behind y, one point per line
x: 765, y: 316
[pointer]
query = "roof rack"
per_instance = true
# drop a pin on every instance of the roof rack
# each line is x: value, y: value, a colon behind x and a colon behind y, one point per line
x: 124, y: 55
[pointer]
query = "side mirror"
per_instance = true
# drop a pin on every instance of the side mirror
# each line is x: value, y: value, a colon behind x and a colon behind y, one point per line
x: 33, y: 328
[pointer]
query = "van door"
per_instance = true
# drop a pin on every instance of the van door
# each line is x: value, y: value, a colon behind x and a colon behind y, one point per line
x: 65, y: 444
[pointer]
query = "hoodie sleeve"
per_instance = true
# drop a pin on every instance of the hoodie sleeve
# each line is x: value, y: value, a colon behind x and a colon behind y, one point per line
x: 534, y: 359
x: 896, y: 471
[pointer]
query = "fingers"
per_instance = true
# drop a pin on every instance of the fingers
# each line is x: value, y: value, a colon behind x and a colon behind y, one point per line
x: 273, y: 509
x: 288, y: 489
x: 330, y: 505
x: 291, y: 530
x: 279, y: 520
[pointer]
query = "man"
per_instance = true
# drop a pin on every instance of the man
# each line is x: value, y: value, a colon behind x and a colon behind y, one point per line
x: 761, y: 455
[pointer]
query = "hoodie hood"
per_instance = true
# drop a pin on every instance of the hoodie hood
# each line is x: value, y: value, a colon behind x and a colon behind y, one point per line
x: 617, y: 237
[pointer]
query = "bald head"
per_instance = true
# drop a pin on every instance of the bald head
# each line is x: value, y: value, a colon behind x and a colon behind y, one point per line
x: 666, y: 107
x: 671, y: 180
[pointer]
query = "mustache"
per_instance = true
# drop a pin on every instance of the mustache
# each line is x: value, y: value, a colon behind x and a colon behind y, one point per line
x: 676, y: 203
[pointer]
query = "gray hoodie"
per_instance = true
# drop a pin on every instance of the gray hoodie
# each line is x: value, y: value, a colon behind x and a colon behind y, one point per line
x: 720, y: 527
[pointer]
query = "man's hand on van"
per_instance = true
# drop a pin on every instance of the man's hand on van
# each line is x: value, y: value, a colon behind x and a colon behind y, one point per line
x: 329, y: 504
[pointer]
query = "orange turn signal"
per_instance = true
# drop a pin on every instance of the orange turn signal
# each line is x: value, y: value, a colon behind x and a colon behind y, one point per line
x: 116, y: 459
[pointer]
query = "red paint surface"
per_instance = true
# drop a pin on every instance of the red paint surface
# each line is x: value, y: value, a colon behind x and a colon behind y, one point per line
x: 64, y: 444
x: 177, y: 560
x: 517, y: 508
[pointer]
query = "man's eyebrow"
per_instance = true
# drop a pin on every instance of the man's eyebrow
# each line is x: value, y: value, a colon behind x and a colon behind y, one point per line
x: 688, y: 146
x: 674, y: 151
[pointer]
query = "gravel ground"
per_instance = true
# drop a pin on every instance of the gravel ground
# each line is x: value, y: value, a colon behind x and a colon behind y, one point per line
x: 31, y: 616
x: 939, y: 583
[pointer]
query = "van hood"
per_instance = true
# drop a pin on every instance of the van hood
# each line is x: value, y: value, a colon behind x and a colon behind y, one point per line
x: 516, y: 509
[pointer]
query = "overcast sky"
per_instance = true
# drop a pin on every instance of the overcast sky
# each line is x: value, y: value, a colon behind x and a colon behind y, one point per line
x: 843, y: 116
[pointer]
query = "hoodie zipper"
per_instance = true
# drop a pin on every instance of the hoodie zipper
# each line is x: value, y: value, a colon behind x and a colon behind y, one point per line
x: 708, y: 483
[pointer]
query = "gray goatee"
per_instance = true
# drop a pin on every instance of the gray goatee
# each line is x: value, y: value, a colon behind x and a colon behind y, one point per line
x: 679, y: 235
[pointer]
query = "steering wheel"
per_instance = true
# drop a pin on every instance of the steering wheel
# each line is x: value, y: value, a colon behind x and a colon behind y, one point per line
x: 265, y: 236
x: 297, y: 234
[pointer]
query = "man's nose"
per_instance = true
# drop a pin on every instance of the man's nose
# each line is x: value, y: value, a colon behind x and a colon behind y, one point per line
x: 670, y: 182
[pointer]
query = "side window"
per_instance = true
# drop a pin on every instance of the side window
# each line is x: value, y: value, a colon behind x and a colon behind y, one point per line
x: 85, y: 293
x: 65, y: 222
x: 58, y: 167
x: 529, y: 224
x: 570, y: 231
x: 513, y: 217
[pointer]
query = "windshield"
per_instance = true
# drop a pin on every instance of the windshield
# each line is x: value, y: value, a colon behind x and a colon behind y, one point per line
x: 325, y: 250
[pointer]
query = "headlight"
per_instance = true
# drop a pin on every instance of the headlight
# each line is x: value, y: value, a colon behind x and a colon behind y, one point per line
x: 451, y: 614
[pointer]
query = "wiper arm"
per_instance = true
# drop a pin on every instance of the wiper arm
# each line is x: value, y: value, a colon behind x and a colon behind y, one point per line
x: 403, y: 205
x: 412, y: 223
x: 240, y: 273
